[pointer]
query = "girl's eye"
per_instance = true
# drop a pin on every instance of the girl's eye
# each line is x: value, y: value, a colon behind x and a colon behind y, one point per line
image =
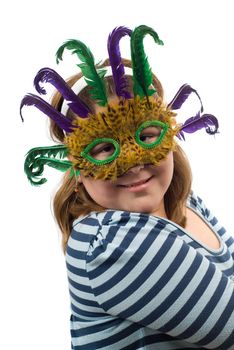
x: 102, y: 151
x: 150, y: 134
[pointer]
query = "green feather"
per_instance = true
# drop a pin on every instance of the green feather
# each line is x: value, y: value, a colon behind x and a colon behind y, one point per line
x: 93, y: 77
x: 142, y: 75
x: 38, y: 157
x: 74, y: 172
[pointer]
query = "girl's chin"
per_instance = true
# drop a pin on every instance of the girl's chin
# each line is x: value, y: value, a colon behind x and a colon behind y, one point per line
x: 140, y: 208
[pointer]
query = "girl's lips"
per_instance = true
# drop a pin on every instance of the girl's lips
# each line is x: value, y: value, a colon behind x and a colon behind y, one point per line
x: 137, y: 186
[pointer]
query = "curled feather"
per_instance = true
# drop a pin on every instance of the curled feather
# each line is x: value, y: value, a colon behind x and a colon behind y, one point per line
x: 37, y: 158
x: 181, y: 96
x: 116, y: 62
x: 193, y: 124
x: 142, y: 75
x: 93, y: 77
x: 49, y: 75
x: 46, y: 108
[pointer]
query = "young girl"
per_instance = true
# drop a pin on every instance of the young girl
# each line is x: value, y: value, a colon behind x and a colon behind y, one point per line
x: 149, y: 267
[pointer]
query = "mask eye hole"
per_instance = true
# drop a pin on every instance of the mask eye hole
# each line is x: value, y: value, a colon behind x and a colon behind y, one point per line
x: 151, y: 133
x: 101, y: 151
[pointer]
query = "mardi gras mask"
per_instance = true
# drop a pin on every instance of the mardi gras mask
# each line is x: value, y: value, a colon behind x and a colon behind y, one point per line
x: 136, y: 128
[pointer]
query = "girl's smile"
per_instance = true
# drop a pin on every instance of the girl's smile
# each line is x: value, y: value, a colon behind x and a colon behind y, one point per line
x: 140, y: 189
x: 137, y: 186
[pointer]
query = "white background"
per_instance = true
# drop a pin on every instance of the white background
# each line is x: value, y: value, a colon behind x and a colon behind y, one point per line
x: 198, y: 50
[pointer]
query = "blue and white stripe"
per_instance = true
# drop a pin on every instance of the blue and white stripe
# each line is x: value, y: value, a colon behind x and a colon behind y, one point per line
x: 141, y: 282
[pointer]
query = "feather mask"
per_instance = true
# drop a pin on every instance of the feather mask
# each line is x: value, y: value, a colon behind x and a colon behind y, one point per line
x: 38, y: 157
x: 207, y: 121
x: 119, y: 123
x: 93, y: 77
x: 142, y: 74
x: 116, y: 62
x: 49, y: 75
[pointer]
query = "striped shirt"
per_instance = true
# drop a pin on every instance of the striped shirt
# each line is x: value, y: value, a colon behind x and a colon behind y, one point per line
x: 138, y: 281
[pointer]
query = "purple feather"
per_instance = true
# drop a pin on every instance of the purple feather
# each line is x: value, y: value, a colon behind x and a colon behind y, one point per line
x: 193, y: 124
x: 181, y: 96
x: 46, y: 108
x: 49, y: 75
x: 180, y: 135
x: 116, y: 62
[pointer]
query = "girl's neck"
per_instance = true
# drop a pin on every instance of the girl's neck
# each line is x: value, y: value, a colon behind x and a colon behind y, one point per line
x: 160, y: 211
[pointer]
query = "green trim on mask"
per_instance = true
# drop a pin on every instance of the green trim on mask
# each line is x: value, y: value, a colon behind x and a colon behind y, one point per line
x: 147, y: 124
x: 85, y: 152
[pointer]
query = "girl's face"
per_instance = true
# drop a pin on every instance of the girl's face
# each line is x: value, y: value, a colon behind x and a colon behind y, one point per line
x: 140, y: 189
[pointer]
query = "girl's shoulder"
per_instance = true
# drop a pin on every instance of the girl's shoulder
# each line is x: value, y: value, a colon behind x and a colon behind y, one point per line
x: 197, y: 203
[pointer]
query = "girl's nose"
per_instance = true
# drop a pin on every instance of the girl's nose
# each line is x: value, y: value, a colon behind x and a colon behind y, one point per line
x: 136, y: 169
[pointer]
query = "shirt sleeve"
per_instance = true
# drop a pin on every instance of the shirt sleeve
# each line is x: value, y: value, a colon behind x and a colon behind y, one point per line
x: 142, y: 271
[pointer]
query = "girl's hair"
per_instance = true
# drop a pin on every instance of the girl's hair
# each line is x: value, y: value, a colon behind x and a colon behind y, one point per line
x: 69, y: 204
